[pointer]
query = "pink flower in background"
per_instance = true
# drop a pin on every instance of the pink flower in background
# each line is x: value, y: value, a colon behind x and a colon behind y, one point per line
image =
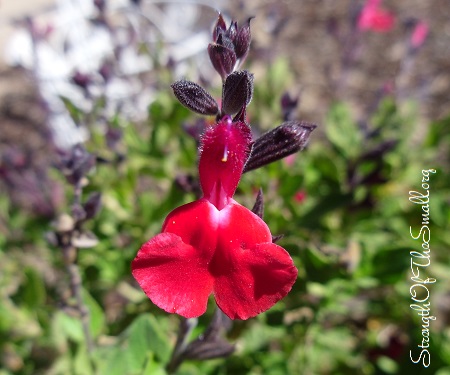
x: 215, y: 245
x: 289, y: 160
x: 375, y: 18
x: 419, y: 34
x: 300, y: 196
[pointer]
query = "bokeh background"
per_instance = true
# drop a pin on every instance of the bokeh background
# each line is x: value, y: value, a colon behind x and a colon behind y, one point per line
x: 95, y: 151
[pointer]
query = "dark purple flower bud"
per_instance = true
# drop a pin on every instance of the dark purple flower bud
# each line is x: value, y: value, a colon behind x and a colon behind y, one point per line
x: 92, y: 205
x: 232, y: 31
x: 237, y: 92
x: 211, y: 344
x: 288, y: 105
x: 219, y: 28
x: 76, y: 163
x: 106, y: 71
x: 82, y: 80
x: 209, y: 349
x: 195, y: 97
x: 332, y: 27
x: 242, y: 41
x: 113, y: 137
x: 78, y: 213
x: 100, y: 5
x: 258, y: 208
x: 379, y: 151
x: 284, y: 140
x: 222, y: 58
x: 241, y: 115
x: 275, y: 239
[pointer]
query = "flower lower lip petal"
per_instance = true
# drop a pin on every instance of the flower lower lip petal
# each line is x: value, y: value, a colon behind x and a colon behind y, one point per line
x: 250, y: 273
x: 172, y: 275
x: 254, y: 280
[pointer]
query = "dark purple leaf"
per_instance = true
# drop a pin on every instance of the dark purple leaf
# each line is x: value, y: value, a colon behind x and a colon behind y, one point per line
x: 258, y: 208
x: 275, y: 239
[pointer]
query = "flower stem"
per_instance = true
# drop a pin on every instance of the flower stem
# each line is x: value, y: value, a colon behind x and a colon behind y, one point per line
x: 186, y: 327
x: 75, y: 281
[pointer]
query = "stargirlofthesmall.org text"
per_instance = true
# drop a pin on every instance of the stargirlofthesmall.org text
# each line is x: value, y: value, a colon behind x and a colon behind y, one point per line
x: 420, y: 261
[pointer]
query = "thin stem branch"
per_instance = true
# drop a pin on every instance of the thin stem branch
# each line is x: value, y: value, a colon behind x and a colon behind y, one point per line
x: 75, y: 281
x: 186, y: 327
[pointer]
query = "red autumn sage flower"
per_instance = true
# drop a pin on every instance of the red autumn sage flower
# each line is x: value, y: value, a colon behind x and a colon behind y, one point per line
x: 215, y: 245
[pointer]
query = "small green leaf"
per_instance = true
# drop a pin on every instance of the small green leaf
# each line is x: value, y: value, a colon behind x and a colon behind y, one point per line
x: 343, y: 131
x: 96, y: 314
x: 67, y: 327
x: 145, y: 334
x: 34, y: 289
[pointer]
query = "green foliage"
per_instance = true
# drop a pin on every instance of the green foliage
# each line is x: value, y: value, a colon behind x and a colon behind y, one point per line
x: 349, y: 311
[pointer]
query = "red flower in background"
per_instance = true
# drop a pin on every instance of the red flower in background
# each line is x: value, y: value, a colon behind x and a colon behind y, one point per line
x: 215, y: 245
x: 375, y: 18
x: 300, y: 196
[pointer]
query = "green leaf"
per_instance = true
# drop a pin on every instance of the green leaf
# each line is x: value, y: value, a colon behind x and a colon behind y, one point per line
x: 66, y: 327
x: 343, y: 131
x: 34, y: 289
x: 146, y: 334
x: 96, y: 314
x: 390, y: 264
x: 258, y: 335
x: 143, y: 348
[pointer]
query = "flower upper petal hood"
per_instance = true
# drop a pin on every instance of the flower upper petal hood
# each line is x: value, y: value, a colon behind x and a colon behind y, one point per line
x: 224, y: 151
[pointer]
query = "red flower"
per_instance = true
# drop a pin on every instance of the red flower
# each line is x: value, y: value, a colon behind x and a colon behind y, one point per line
x: 215, y: 245
x: 373, y: 17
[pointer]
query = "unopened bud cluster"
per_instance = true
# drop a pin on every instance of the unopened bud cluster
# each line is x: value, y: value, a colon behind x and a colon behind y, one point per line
x: 228, y: 50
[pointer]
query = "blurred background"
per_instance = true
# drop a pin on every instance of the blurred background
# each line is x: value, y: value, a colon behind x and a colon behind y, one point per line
x: 95, y: 151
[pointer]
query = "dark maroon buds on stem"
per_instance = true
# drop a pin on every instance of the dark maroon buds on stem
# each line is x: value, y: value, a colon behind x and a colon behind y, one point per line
x: 92, y: 205
x: 76, y: 163
x: 195, y: 98
x: 223, y: 58
x: 288, y: 105
x: 242, y: 41
x: 237, y: 92
x: 219, y: 28
x: 284, y: 140
x: 230, y: 46
x: 214, y: 245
